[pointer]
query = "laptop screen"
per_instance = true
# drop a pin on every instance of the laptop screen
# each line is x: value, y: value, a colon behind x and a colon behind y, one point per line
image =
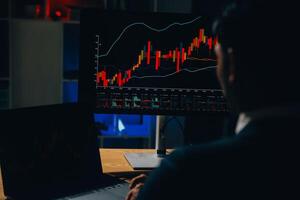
x: 47, y: 149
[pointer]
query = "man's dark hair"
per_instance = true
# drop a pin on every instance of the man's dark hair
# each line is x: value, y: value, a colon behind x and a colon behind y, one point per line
x: 262, y: 36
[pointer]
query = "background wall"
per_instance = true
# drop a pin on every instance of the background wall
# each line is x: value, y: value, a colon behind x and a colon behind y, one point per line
x: 37, y: 63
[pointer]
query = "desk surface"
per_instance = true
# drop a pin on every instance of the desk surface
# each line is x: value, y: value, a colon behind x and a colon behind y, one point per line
x: 113, y: 162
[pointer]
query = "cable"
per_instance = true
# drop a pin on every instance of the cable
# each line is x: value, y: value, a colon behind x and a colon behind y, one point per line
x: 171, y: 119
x: 161, y: 151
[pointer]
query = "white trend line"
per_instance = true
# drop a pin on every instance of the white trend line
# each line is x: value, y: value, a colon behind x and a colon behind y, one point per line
x: 187, y: 70
x: 149, y: 27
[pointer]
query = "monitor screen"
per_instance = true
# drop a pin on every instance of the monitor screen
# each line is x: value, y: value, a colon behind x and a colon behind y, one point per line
x: 150, y: 63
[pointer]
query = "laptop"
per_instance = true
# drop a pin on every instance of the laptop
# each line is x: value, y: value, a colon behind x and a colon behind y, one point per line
x: 51, y: 152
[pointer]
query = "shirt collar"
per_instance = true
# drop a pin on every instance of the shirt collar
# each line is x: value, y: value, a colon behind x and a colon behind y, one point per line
x: 242, y: 122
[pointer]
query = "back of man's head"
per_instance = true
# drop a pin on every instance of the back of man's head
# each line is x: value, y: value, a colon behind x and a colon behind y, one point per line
x: 262, y: 36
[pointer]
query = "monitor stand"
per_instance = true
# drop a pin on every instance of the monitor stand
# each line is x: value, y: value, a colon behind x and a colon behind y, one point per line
x: 148, y: 161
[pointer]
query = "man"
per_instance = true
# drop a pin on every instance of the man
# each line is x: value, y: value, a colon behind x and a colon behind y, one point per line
x: 257, y: 69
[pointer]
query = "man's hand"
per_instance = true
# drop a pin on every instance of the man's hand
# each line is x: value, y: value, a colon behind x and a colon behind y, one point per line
x: 133, y: 193
x: 135, y: 186
x: 137, y: 180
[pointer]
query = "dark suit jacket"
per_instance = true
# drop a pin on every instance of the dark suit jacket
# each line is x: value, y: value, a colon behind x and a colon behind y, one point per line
x: 259, y: 163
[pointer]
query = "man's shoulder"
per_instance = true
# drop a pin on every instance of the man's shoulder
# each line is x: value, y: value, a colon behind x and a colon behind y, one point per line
x: 196, y: 167
x: 205, y: 154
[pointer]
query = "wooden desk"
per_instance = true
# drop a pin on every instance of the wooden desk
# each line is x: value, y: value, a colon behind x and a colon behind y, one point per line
x: 1, y: 188
x: 113, y: 162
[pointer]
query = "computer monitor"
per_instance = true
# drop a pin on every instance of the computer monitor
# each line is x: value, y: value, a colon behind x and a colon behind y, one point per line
x: 148, y: 63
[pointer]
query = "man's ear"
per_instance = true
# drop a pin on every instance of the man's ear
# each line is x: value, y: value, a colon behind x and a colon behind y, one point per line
x: 232, y: 66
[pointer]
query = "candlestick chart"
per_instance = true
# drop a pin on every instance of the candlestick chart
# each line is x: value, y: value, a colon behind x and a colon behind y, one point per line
x: 159, y: 62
